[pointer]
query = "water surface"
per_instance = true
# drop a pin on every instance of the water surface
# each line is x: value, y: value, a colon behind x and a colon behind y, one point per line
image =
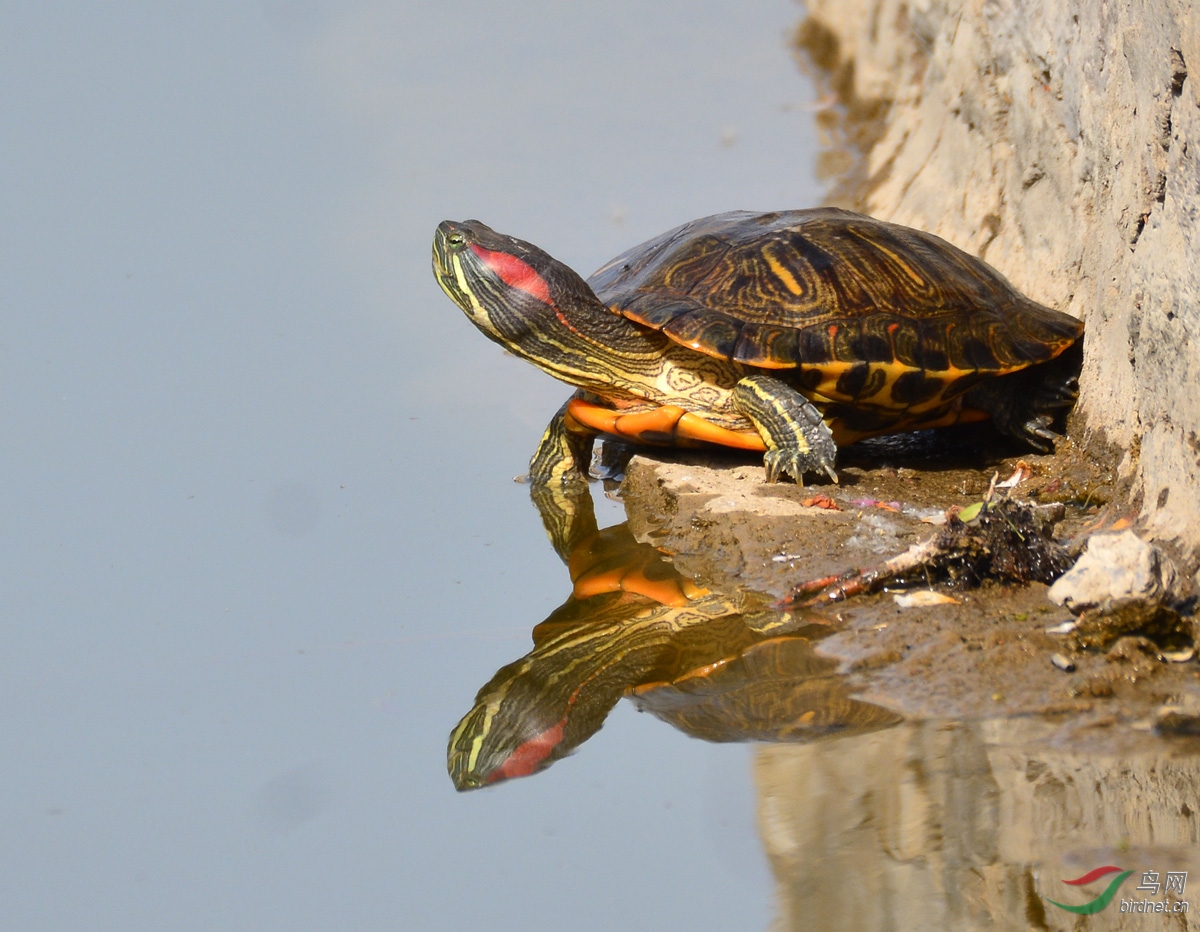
x: 261, y: 541
x: 261, y: 544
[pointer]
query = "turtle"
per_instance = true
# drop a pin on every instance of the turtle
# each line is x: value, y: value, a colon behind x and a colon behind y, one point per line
x: 790, y: 333
x: 722, y: 667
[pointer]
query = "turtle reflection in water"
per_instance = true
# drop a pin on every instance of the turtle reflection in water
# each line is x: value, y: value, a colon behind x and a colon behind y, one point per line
x: 710, y: 665
x: 790, y: 333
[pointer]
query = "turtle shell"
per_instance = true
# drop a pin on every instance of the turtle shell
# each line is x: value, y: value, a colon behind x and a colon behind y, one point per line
x: 869, y: 312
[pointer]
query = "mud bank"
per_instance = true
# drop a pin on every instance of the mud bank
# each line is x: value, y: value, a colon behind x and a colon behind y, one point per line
x: 1060, y: 142
x: 990, y: 652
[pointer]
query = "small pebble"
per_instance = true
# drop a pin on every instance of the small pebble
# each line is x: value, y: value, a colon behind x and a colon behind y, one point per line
x: 923, y: 598
x: 1176, y: 721
x: 1062, y: 663
x: 1065, y: 628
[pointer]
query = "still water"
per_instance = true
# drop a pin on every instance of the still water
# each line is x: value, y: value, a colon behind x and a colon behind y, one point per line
x: 261, y: 544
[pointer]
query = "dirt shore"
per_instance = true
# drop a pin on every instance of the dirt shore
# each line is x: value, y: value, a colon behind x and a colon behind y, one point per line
x: 986, y: 654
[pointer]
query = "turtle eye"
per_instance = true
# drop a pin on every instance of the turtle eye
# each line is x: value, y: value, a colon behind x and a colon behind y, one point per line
x: 456, y: 240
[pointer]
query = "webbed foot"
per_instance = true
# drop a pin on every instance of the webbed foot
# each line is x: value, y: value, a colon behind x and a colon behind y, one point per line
x: 798, y: 439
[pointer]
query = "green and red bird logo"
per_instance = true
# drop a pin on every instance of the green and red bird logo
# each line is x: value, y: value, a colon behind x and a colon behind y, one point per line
x: 1103, y: 899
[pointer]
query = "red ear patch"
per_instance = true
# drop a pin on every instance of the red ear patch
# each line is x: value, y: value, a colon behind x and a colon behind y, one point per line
x: 515, y: 273
x: 525, y: 759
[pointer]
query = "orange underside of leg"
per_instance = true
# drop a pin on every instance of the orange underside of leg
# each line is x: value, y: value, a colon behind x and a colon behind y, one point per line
x: 671, y: 425
x: 676, y: 592
x: 667, y: 425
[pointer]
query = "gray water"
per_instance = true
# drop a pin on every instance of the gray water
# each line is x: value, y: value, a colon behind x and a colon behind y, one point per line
x: 260, y: 539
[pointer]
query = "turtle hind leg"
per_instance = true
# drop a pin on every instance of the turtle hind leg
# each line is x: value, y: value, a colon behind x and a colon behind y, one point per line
x: 1029, y: 404
x: 798, y: 439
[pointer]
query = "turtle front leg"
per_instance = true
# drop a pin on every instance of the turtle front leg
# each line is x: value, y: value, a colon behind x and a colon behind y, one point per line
x: 558, y: 481
x: 565, y: 450
x: 798, y: 439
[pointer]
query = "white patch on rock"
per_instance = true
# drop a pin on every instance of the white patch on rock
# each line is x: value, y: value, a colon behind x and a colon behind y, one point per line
x: 1117, y: 573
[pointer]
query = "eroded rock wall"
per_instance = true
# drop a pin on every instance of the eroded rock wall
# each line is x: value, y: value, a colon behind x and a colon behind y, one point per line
x: 1061, y: 142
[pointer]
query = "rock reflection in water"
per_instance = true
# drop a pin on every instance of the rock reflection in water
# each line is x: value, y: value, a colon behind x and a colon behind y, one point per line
x: 713, y: 665
x: 976, y: 826
x: 775, y: 690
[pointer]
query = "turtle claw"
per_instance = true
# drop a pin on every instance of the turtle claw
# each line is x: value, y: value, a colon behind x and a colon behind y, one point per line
x: 798, y: 439
x: 1037, y: 433
x: 782, y: 461
x: 774, y: 461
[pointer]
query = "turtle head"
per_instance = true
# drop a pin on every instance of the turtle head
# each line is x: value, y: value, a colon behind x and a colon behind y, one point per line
x: 511, y: 290
x: 535, y: 306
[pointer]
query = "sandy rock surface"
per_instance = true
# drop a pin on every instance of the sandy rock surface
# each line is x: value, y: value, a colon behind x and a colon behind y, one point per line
x: 984, y: 652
